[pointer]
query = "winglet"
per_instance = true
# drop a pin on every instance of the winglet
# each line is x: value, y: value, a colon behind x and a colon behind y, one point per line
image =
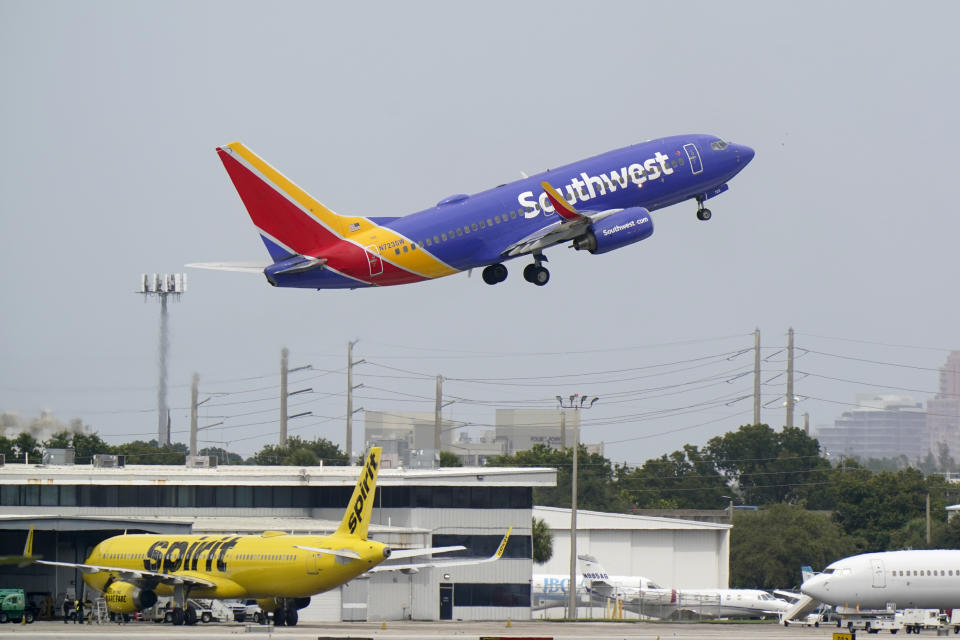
x: 356, y: 520
x: 28, y: 547
x: 562, y: 207
x: 503, y: 544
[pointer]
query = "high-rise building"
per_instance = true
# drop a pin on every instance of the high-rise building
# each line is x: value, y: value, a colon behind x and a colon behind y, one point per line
x: 943, y: 411
x: 882, y: 426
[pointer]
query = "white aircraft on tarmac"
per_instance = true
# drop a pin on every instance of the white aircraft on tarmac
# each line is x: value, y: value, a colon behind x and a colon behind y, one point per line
x: 918, y: 579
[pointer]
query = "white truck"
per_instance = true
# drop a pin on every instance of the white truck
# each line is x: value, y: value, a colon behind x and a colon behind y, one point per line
x: 914, y: 620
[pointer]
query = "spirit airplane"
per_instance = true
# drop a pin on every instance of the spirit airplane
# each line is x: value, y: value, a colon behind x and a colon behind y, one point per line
x: 598, y: 205
x: 280, y: 571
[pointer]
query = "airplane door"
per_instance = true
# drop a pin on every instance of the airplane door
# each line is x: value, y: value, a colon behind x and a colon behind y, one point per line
x: 373, y: 257
x: 879, y: 575
x: 693, y: 155
x: 312, y: 565
x: 446, y: 601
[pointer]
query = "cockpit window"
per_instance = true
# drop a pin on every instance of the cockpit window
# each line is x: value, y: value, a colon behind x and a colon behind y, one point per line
x: 719, y: 144
x: 828, y: 571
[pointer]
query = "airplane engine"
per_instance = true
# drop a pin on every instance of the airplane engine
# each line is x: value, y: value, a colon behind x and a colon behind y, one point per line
x: 615, y: 231
x: 123, y: 597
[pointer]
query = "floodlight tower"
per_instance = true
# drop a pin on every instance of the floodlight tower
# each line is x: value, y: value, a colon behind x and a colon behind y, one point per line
x: 163, y: 285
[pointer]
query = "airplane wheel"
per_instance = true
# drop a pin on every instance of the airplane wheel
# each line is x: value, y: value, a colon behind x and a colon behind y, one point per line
x: 177, y: 617
x: 494, y: 273
x: 292, y: 617
x: 703, y: 214
x: 541, y: 276
x: 190, y: 616
x: 279, y: 618
x: 528, y: 272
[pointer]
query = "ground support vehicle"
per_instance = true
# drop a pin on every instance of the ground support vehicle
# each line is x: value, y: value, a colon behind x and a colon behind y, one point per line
x: 14, y: 607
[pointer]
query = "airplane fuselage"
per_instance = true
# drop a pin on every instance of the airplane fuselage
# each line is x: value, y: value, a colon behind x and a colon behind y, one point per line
x: 248, y: 566
x: 909, y: 579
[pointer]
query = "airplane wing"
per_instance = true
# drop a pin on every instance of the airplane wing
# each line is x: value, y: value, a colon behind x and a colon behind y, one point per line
x: 441, y: 563
x: 128, y: 574
x: 572, y: 224
x: 244, y: 267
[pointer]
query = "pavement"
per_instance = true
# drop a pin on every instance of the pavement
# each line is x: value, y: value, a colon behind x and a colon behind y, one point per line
x: 42, y: 630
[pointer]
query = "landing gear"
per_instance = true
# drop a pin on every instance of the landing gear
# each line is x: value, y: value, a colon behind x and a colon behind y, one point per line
x: 537, y: 273
x: 494, y: 273
x: 702, y: 212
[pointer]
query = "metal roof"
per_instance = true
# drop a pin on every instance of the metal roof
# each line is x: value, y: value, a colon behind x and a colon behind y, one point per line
x: 19, y: 474
x: 559, y: 518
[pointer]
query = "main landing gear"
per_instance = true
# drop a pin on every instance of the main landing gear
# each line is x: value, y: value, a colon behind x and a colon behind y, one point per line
x: 494, y: 273
x: 702, y: 212
x: 536, y: 272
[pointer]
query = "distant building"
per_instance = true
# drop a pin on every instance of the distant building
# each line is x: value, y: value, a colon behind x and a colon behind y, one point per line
x: 943, y: 411
x: 407, y: 437
x: 521, y: 429
x: 882, y: 426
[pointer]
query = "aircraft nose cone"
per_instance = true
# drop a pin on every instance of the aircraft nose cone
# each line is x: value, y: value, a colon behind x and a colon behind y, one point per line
x: 745, y: 153
x: 815, y: 587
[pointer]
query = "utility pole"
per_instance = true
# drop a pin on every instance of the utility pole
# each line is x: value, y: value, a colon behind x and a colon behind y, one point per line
x: 437, y: 420
x: 284, y: 394
x: 284, y: 357
x: 194, y: 395
x: 790, y: 397
x: 572, y: 585
x: 756, y: 376
x: 350, y: 388
x: 928, y: 520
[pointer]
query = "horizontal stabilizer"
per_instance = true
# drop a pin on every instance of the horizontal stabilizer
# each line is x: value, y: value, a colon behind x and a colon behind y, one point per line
x: 342, y: 553
x: 245, y: 267
x: 416, y: 566
x: 412, y: 553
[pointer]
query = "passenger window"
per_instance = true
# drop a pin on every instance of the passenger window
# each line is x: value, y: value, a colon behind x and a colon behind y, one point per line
x: 489, y: 222
x: 429, y: 243
x: 474, y: 226
x: 405, y: 248
x: 483, y: 225
x: 466, y: 229
x: 513, y: 214
x: 459, y: 232
x: 444, y: 236
x: 436, y: 239
x: 397, y: 250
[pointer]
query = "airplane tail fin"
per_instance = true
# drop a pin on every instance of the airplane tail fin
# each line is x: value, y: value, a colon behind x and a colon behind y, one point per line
x: 806, y: 572
x: 356, y: 520
x: 28, y: 547
x: 291, y: 222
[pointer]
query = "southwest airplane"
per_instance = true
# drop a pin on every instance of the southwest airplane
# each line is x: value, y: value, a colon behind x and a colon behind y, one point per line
x: 645, y: 597
x: 598, y: 205
x: 281, y: 571
x: 919, y: 579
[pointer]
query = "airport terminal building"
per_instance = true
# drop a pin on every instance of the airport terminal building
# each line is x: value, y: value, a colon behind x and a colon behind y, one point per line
x: 72, y: 508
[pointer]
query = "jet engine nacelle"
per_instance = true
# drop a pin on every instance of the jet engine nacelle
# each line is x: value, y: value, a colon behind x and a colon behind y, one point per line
x: 616, y: 230
x: 123, y: 597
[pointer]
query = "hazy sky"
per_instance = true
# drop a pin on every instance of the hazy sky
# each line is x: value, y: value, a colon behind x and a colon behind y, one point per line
x: 844, y: 225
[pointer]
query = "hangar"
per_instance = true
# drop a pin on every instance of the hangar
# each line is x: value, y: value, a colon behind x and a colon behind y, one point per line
x: 681, y: 554
x: 74, y: 507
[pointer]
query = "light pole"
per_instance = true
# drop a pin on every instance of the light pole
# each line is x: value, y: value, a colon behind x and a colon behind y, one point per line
x: 572, y: 586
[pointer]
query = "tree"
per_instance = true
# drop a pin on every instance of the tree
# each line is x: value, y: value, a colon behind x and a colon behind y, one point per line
x: 222, y: 455
x: 302, y: 453
x: 769, y: 466
x: 140, y: 452
x: 84, y: 445
x: 685, y: 479
x: 595, y: 477
x: 768, y: 547
x: 449, y: 459
x: 542, y: 542
x: 26, y: 448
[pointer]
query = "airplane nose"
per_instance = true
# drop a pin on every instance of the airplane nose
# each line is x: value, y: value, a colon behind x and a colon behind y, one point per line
x: 815, y: 587
x: 744, y: 153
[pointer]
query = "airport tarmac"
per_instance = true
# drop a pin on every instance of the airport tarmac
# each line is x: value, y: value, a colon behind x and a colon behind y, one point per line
x: 423, y: 631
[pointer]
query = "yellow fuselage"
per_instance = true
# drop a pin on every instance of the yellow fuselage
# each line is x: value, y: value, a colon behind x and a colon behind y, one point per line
x: 258, y: 566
